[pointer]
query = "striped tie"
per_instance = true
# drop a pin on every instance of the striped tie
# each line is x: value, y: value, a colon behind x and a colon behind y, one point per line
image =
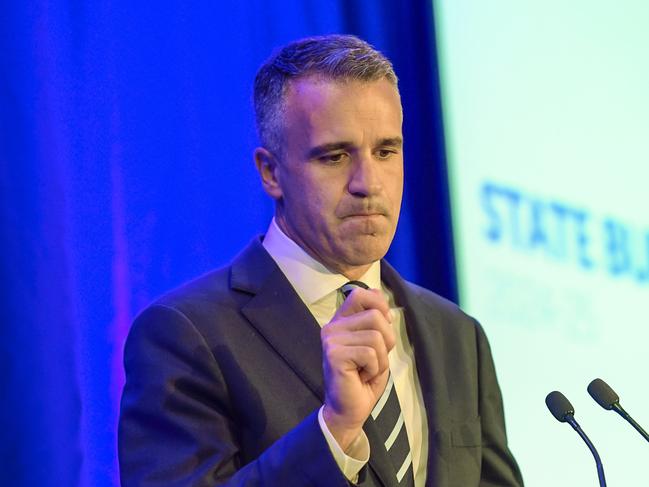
x: 388, y: 420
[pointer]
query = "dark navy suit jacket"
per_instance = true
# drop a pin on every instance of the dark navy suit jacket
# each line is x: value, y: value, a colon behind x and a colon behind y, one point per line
x: 224, y: 381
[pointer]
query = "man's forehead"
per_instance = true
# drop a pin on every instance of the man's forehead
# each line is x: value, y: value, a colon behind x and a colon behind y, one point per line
x: 309, y: 98
x: 319, y: 112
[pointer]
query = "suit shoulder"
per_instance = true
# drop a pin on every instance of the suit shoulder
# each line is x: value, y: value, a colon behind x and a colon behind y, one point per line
x: 202, y: 296
x: 450, y: 316
x: 212, y: 286
x: 225, y: 287
x: 429, y: 298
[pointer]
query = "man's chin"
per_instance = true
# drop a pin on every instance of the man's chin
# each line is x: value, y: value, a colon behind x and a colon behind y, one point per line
x: 366, y: 249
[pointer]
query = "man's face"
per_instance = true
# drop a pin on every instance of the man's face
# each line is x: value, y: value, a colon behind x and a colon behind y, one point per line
x: 340, y: 176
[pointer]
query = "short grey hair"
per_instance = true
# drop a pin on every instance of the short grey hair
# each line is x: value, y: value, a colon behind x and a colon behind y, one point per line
x: 333, y: 57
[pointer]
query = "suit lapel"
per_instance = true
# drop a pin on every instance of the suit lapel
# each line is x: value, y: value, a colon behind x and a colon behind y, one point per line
x: 279, y: 315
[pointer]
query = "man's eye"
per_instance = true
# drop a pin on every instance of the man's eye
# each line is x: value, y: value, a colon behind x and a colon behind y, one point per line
x: 384, y: 153
x: 333, y: 158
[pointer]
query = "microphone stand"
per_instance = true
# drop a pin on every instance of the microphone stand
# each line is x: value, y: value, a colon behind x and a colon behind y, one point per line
x: 600, y: 468
x: 620, y: 410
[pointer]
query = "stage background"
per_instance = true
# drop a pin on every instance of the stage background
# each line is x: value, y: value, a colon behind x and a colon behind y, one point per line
x: 126, y: 134
x: 546, y: 112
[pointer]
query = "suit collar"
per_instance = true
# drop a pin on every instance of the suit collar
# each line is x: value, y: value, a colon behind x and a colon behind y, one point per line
x: 312, y: 280
x: 251, y: 267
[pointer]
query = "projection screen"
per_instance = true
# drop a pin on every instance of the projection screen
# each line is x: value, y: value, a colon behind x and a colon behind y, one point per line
x: 546, y: 120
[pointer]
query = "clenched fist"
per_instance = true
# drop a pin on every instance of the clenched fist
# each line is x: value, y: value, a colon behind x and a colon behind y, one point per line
x: 355, y: 345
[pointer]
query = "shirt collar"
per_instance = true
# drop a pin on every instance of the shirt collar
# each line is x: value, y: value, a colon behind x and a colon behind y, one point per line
x: 312, y: 280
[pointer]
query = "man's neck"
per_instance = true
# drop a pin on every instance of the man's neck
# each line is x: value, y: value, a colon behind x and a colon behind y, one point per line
x: 309, y: 277
x: 352, y: 273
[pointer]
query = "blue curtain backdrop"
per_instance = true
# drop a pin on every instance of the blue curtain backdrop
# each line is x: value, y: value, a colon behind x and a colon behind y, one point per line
x: 126, y: 134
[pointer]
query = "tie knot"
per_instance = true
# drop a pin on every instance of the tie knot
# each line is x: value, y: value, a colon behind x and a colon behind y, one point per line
x: 347, y: 288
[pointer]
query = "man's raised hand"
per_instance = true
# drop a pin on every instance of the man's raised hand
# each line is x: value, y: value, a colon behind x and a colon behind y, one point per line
x: 355, y: 346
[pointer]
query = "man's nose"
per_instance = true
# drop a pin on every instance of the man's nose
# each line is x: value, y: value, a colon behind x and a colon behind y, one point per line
x: 364, y: 179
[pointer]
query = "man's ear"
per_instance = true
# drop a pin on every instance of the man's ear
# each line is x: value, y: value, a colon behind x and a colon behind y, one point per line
x: 268, y: 171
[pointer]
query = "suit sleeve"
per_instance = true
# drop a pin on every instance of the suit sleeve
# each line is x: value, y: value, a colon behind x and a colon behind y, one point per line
x: 177, y: 427
x: 499, y: 468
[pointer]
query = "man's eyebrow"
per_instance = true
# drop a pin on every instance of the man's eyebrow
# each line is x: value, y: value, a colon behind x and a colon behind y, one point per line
x: 392, y: 141
x: 319, y: 150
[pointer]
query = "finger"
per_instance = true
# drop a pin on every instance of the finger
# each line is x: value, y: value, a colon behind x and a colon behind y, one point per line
x: 358, y: 359
x: 362, y: 299
x: 371, y: 319
x: 370, y: 378
x: 366, y: 338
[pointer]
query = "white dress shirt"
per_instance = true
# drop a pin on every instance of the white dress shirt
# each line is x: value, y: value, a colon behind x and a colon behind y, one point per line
x: 318, y: 288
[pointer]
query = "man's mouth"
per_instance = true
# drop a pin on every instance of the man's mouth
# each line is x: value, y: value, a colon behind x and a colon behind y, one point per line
x: 351, y: 215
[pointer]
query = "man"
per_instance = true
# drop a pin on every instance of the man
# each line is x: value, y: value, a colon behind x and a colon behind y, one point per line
x: 264, y: 373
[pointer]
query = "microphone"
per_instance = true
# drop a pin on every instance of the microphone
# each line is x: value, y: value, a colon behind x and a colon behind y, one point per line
x: 563, y: 411
x: 608, y: 399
